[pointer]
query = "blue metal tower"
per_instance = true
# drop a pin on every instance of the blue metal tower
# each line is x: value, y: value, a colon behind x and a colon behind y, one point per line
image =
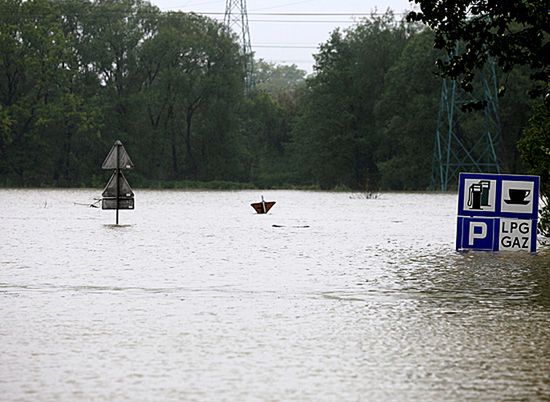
x: 455, y: 151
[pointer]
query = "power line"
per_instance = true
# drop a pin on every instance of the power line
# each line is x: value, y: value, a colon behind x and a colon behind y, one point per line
x: 104, y: 12
x: 284, y: 47
x: 287, y: 4
x: 291, y: 61
x: 305, y: 21
x: 308, y: 14
x: 201, y: 3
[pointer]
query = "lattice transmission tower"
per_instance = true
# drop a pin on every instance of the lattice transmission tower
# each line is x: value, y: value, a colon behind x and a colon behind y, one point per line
x: 236, y: 20
x: 457, y: 151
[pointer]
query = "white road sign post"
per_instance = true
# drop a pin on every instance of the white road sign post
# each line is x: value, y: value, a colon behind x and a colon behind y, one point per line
x: 497, y: 212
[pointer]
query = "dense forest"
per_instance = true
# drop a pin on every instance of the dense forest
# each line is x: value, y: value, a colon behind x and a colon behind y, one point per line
x: 75, y: 75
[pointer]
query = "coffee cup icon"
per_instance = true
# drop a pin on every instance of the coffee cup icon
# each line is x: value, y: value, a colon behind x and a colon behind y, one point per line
x: 518, y: 196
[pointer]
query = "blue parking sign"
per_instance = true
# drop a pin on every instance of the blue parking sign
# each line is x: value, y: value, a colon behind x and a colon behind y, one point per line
x: 476, y: 233
x: 497, y: 212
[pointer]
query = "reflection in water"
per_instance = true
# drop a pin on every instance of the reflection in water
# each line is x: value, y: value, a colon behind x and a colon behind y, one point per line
x: 327, y: 297
x: 506, y: 278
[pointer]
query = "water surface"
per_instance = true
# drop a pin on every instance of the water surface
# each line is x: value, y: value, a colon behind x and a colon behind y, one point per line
x: 195, y: 297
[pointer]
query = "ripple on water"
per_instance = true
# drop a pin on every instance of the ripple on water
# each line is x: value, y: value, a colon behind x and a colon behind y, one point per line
x: 195, y: 297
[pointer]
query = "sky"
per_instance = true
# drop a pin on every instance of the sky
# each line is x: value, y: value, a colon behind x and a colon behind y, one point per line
x: 279, y: 37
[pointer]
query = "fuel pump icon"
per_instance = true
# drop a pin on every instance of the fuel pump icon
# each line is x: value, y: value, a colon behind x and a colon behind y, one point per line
x: 478, y: 195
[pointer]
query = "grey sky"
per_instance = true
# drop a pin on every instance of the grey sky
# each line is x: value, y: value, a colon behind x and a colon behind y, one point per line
x: 287, y: 39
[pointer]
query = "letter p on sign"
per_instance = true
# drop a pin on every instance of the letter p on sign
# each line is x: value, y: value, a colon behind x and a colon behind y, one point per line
x: 478, y: 230
x: 475, y: 233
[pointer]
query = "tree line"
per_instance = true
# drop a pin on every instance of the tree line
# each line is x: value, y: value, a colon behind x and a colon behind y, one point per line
x: 75, y: 75
x: 516, y: 35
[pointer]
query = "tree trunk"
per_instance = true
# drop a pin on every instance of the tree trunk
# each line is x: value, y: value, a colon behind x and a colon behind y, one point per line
x: 188, y: 147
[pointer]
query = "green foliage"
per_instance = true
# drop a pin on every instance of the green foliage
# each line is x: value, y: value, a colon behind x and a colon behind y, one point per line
x: 277, y: 80
x: 406, y: 115
x: 266, y: 132
x: 42, y: 104
x: 77, y: 74
x: 193, y: 81
x: 337, y: 127
x: 535, y: 150
x: 191, y: 184
x: 514, y: 33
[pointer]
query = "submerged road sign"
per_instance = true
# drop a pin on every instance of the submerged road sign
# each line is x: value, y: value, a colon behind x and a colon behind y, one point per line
x: 117, y: 158
x: 497, y: 212
x: 117, y: 194
x: 117, y: 187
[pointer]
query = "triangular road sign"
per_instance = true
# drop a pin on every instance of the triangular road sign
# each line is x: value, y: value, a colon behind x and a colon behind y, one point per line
x: 125, y: 190
x: 124, y: 161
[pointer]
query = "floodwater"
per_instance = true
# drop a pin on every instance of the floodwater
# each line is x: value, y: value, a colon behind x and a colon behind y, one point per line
x: 194, y: 297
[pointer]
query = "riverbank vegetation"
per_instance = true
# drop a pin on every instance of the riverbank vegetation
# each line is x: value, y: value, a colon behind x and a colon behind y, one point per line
x: 76, y: 75
x: 516, y: 35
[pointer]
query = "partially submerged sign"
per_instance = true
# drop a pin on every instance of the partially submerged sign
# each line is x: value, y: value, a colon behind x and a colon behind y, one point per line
x: 497, y: 212
x: 117, y: 194
x: 262, y: 207
x: 117, y: 158
x: 122, y: 203
x: 117, y: 187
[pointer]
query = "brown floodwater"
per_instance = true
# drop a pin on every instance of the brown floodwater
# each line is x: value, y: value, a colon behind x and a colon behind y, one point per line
x: 196, y: 297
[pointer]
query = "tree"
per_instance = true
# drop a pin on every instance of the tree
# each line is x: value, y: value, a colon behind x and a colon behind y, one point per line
x: 515, y: 34
x: 113, y: 34
x: 76, y: 74
x: 265, y: 132
x: 276, y: 79
x: 535, y: 148
x: 193, y: 83
x: 336, y: 133
x: 405, y: 115
x: 266, y: 124
x: 42, y: 106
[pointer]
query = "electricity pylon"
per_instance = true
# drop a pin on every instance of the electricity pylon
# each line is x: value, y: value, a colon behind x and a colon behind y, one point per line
x: 454, y: 151
x: 236, y: 20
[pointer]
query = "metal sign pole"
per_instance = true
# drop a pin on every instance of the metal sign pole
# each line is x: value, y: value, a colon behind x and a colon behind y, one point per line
x: 117, y: 172
x: 117, y: 194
